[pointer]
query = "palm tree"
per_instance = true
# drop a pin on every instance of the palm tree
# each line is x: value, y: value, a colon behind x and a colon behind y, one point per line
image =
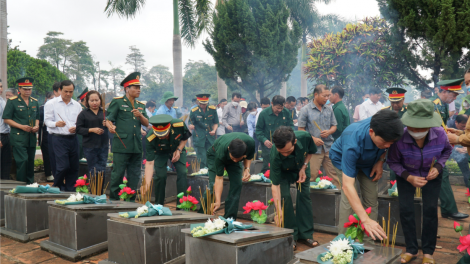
x: 194, y: 16
x: 3, y: 42
x: 313, y: 25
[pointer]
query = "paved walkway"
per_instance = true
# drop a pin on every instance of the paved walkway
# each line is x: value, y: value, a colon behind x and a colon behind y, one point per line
x: 15, y: 252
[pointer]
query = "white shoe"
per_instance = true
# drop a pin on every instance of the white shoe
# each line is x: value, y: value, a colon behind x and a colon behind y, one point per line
x: 50, y: 178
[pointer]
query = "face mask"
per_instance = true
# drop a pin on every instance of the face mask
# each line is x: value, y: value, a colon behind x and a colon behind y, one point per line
x: 418, y: 135
x: 465, y: 105
x: 253, y: 113
x: 235, y: 103
x: 365, y: 100
x: 328, y: 102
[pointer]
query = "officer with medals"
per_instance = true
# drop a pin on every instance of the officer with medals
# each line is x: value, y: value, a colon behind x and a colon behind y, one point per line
x: 448, y: 92
x: 166, y: 143
x: 22, y: 114
x: 397, y: 101
x: 128, y: 115
x: 204, y: 120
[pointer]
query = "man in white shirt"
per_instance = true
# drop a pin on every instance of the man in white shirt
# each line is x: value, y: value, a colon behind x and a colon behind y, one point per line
x: 60, y: 116
x: 5, y: 146
x: 371, y: 106
x: 56, y: 91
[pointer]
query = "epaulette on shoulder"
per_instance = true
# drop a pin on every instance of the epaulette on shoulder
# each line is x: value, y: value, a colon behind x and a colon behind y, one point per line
x: 13, y: 98
x: 34, y: 99
x: 151, y: 137
x: 139, y: 102
x: 437, y: 101
x: 195, y: 109
x: 119, y: 97
x: 179, y: 124
x: 386, y: 107
x: 212, y: 107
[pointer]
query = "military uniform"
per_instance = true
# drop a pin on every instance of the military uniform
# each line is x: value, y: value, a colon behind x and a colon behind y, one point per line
x: 284, y: 172
x: 160, y: 150
x: 203, y: 122
x: 218, y: 159
x: 129, y: 157
x: 267, y: 123
x: 446, y: 195
x: 23, y: 143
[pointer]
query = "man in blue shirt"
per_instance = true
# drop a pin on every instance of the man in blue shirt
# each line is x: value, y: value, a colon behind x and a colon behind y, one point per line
x: 360, y: 154
x: 167, y: 105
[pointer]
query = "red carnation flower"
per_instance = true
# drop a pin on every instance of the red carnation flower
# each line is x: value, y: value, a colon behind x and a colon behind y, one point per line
x: 248, y: 207
x: 259, y: 206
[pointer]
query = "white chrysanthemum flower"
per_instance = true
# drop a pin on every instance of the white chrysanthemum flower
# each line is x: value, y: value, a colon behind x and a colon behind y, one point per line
x: 219, y: 223
x: 35, y: 185
x: 72, y: 198
x: 204, y: 171
x: 339, y: 246
x: 142, y: 210
x: 255, y: 177
x: 209, y: 226
x: 79, y: 197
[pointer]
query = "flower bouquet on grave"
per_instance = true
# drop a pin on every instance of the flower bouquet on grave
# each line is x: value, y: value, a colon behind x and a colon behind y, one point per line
x: 187, y: 202
x: 126, y: 192
x: 257, y: 211
x: 147, y: 210
x: 201, y: 172
x: 81, y: 184
x: 464, y: 244
x: 259, y: 178
x: 393, y: 192
x: 342, y: 250
x: 82, y: 199
x: 267, y: 174
x: 34, y: 188
x: 322, y: 183
x: 217, y: 226
x: 355, y: 228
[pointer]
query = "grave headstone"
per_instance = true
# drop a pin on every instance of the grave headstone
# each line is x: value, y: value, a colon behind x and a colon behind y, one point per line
x: 4, y: 190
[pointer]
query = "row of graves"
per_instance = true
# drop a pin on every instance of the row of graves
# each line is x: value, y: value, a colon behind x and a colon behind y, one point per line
x: 85, y: 223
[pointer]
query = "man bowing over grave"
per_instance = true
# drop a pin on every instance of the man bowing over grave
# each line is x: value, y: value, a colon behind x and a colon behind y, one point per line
x: 227, y: 153
x: 204, y: 119
x: 290, y: 164
x: 166, y: 143
x: 22, y: 114
x: 128, y: 115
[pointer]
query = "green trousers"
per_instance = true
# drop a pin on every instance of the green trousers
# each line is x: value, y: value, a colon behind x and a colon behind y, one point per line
x: 448, y: 205
x: 24, y: 158
x: 160, y: 175
x: 465, y: 259
x: 234, y: 171
x: 265, y: 153
x: 201, y: 153
x: 301, y: 221
x: 123, y: 162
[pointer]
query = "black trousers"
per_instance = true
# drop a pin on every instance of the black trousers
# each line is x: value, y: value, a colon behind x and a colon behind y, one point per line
x: 430, y: 195
x: 5, y: 157
x: 67, y: 161
x: 51, y: 154
x: 45, y: 153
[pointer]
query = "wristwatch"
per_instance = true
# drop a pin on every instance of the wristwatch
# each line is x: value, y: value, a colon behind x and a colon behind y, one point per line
x: 181, y: 151
x: 247, y: 169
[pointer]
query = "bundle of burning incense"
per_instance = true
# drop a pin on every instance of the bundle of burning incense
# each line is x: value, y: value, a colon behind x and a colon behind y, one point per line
x: 317, y: 126
x: 443, y: 124
x: 418, y: 192
x: 279, y: 214
x: 299, y: 187
x: 195, y: 166
x: 208, y: 202
x: 386, y: 228
x: 145, y: 192
x: 96, y: 183
x: 117, y: 135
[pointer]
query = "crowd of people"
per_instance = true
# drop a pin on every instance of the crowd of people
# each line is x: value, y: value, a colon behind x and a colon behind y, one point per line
x: 296, y: 136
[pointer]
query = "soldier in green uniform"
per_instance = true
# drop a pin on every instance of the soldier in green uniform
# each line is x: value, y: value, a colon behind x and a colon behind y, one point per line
x: 290, y: 164
x: 128, y: 115
x: 227, y: 153
x: 397, y: 104
x: 204, y: 119
x: 166, y: 143
x: 81, y: 100
x: 268, y: 121
x: 448, y: 92
x: 22, y: 114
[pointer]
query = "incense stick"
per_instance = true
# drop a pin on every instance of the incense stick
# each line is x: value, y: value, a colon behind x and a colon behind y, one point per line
x: 117, y: 135
x: 388, y: 228
x: 317, y: 126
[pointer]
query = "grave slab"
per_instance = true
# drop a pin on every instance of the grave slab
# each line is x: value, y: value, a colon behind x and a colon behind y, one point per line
x: 26, y: 216
x: 373, y: 254
x: 149, y: 240
x: 4, y: 190
x: 78, y: 231
x: 266, y: 244
x: 325, y: 208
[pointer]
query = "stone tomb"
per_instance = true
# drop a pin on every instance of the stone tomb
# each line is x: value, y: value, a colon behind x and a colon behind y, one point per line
x: 265, y: 244
x: 5, y: 187
x: 149, y: 240
x: 78, y: 231
x: 26, y: 216
x: 325, y: 208
x: 373, y: 254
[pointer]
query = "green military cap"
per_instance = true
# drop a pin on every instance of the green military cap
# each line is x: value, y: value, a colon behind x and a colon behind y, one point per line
x: 167, y: 96
x: 131, y: 79
x: 203, y: 98
x: 420, y: 114
x: 25, y: 83
x: 452, y: 85
x: 83, y: 94
x: 395, y: 94
x: 161, y: 124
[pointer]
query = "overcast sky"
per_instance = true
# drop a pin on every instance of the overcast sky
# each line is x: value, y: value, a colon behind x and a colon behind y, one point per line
x: 109, y: 38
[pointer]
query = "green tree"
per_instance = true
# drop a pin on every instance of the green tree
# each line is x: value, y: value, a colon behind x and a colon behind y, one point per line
x: 194, y: 16
x: 252, y: 45
x: 136, y: 59
x: 358, y: 58
x: 21, y: 64
x: 158, y: 80
x: 199, y: 77
x: 80, y: 65
x: 431, y: 35
x: 55, y: 49
x: 116, y: 75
